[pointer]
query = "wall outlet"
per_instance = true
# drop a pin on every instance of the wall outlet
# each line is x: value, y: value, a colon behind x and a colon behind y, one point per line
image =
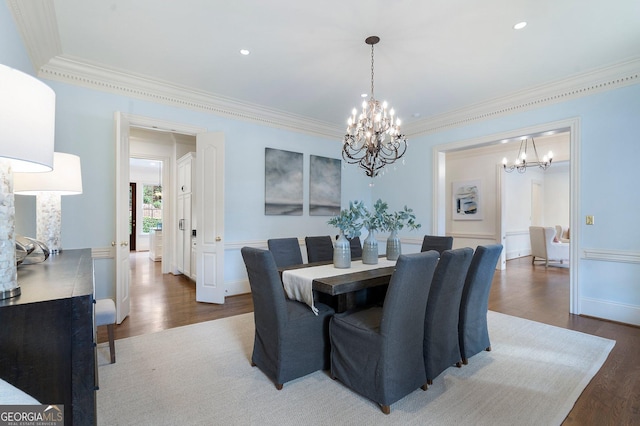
x: 589, y: 220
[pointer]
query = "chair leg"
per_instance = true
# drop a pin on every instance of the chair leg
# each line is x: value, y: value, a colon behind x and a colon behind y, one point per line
x: 465, y: 361
x: 385, y: 408
x: 112, y: 345
x: 488, y: 349
x: 429, y: 381
x: 424, y: 387
x: 459, y: 364
x: 279, y: 386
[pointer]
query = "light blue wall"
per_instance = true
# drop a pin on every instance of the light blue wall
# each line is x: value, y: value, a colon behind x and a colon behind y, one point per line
x: 84, y: 126
x: 608, y: 182
x: 609, y: 129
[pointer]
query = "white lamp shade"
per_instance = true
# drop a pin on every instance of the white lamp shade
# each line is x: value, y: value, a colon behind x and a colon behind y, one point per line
x: 65, y: 178
x: 27, y: 121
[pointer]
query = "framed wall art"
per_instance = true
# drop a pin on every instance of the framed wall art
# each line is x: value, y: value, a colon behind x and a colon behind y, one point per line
x: 325, y: 176
x: 282, y: 182
x: 466, y: 197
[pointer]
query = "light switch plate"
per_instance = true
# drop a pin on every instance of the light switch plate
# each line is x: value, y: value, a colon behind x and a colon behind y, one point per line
x: 589, y: 220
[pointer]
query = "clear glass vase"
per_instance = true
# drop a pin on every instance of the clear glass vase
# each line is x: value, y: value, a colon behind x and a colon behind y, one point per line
x: 370, y: 249
x: 342, y: 252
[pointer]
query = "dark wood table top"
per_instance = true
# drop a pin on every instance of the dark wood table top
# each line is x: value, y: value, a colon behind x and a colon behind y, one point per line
x: 349, y: 281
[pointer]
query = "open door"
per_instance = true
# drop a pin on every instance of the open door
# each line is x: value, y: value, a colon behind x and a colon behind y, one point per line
x: 121, y: 243
x: 210, y: 217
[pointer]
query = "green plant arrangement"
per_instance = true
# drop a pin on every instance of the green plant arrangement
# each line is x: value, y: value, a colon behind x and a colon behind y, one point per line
x: 397, y: 220
x: 349, y: 220
x: 374, y: 220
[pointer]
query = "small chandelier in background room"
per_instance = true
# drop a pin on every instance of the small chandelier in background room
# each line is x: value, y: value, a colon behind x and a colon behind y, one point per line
x: 522, y: 163
x: 373, y: 138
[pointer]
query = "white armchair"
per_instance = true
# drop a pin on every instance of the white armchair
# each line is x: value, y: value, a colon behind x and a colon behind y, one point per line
x: 543, y: 247
x: 562, y: 234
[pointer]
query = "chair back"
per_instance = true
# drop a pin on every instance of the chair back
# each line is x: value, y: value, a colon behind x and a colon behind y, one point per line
x: 538, y: 239
x: 319, y: 249
x: 269, y: 299
x: 404, y: 305
x: 441, y: 347
x: 285, y: 251
x: 472, y: 325
x: 437, y: 243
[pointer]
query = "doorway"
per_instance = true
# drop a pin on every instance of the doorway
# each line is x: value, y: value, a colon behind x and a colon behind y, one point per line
x: 537, y: 203
x: 439, y: 187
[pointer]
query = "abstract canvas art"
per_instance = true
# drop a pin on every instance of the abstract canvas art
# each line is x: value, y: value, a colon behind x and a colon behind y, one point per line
x: 466, y: 200
x: 282, y: 182
x: 325, y: 176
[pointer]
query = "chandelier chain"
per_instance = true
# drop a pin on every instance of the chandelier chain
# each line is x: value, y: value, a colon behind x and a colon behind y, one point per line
x: 372, y: 71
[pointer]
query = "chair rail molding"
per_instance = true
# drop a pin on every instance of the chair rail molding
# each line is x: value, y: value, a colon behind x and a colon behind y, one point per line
x: 102, y: 252
x: 611, y: 255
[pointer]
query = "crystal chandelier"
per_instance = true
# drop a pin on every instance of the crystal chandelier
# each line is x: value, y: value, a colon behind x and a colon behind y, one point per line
x: 373, y: 138
x: 521, y: 162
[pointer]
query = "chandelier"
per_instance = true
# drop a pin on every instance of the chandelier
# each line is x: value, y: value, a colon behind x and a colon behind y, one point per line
x: 373, y: 138
x: 521, y: 162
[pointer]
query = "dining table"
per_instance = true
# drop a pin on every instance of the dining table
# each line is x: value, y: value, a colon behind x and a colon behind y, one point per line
x: 338, y: 284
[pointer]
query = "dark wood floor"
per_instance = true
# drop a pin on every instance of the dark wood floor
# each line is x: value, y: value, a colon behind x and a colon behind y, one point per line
x: 534, y: 292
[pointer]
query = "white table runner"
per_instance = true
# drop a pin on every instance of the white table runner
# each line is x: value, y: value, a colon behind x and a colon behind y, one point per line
x: 298, y: 283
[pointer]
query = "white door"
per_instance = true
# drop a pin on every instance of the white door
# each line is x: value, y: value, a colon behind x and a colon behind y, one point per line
x: 121, y: 243
x: 180, y: 235
x: 537, y: 196
x: 186, y: 235
x: 209, y: 217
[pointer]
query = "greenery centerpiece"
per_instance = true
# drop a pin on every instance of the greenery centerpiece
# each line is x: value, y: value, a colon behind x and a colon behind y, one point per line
x: 393, y: 222
x: 349, y: 222
x: 374, y: 220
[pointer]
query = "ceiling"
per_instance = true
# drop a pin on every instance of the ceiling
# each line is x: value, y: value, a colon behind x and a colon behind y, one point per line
x: 308, y: 60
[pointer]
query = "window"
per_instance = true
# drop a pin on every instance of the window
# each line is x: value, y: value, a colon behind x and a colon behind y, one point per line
x: 151, y: 208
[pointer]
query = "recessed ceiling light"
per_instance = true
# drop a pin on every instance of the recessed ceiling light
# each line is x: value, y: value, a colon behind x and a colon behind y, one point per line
x: 520, y: 25
x: 244, y: 52
x: 364, y: 95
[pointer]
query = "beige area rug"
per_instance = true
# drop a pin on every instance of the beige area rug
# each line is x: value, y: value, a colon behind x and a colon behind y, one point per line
x: 200, y: 375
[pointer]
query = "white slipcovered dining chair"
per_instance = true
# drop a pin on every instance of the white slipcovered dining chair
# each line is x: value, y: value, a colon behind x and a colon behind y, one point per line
x: 105, y: 314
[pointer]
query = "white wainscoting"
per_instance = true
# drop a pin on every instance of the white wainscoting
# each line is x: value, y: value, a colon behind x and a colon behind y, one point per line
x: 517, y: 244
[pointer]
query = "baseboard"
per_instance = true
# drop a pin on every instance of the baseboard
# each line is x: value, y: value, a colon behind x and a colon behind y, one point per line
x: 234, y: 288
x: 614, y: 311
x: 514, y: 254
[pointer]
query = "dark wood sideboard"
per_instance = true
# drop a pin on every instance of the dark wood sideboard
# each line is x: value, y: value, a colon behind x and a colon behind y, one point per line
x: 47, y: 338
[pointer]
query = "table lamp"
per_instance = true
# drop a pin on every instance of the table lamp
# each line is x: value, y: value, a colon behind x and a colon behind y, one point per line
x: 27, y: 129
x: 64, y: 179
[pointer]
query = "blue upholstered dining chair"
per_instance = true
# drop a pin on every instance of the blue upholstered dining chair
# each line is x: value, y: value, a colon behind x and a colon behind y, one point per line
x: 319, y: 249
x: 286, y: 251
x: 473, y: 334
x: 377, y: 352
x: 290, y: 341
x: 441, y: 348
x: 436, y: 242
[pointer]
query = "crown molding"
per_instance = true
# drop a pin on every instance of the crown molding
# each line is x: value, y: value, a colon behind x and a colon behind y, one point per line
x: 600, y: 80
x: 37, y: 24
x: 78, y: 72
x: 38, y: 27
